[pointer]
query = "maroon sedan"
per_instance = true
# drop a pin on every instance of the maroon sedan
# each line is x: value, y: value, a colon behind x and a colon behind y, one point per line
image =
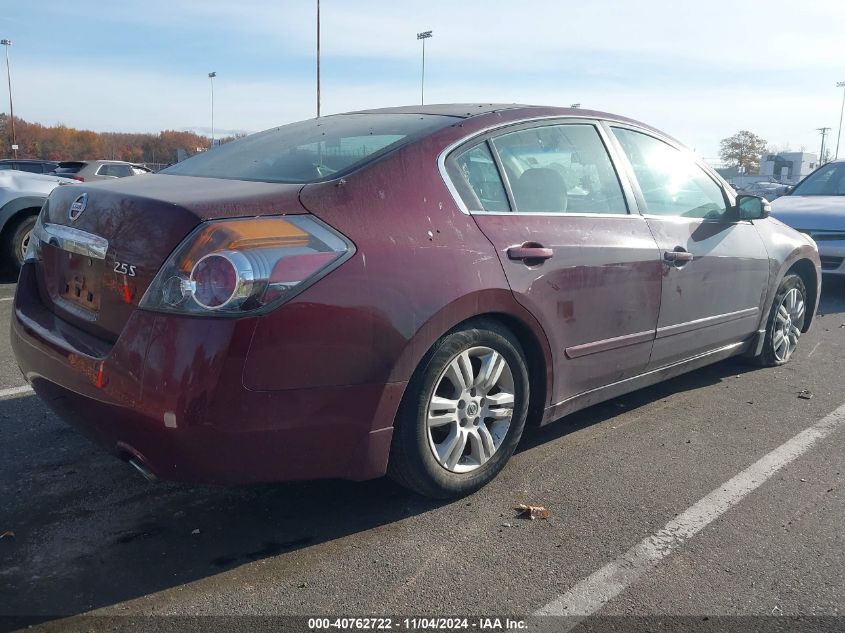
x: 395, y: 291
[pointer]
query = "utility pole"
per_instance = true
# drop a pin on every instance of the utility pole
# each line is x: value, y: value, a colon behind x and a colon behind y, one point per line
x: 7, y: 44
x: 211, y: 77
x: 840, y: 84
x: 423, y: 36
x: 823, y: 131
x: 318, y: 59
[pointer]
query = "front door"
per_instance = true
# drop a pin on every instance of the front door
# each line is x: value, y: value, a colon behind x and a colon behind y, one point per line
x: 715, y: 267
x: 574, y: 255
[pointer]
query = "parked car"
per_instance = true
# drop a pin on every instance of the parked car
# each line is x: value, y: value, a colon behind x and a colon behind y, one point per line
x: 768, y: 190
x: 817, y: 207
x: 88, y: 170
x: 30, y: 165
x: 395, y: 291
x: 21, y: 197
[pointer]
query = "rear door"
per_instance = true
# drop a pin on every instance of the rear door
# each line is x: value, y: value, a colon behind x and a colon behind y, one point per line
x: 549, y: 199
x: 715, y: 267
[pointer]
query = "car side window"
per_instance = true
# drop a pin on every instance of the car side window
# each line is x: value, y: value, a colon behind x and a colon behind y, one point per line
x: 477, y: 179
x: 104, y: 170
x: 560, y: 169
x: 671, y: 182
x: 33, y: 168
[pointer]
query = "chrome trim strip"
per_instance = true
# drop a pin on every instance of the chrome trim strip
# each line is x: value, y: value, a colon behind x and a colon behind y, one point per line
x: 74, y: 240
x: 691, y: 359
x: 577, y: 351
x: 688, y: 326
x: 563, y: 214
x: 441, y: 158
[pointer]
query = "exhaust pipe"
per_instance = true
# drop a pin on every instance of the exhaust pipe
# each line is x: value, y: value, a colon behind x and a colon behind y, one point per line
x: 146, y: 473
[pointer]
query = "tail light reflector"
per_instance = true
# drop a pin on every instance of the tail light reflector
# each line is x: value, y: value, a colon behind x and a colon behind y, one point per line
x: 235, y: 267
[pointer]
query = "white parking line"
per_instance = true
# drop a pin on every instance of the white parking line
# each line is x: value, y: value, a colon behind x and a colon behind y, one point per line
x: 15, y: 391
x: 590, y: 594
x: 7, y: 298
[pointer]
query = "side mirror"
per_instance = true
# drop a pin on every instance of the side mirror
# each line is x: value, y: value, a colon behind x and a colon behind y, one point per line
x: 752, y: 207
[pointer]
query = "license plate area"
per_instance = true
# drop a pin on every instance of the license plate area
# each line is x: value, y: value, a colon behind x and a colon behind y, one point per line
x: 79, y: 281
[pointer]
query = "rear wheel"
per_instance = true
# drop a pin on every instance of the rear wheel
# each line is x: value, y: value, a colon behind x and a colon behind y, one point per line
x: 463, y: 413
x: 16, y: 240
x: 786, y: 320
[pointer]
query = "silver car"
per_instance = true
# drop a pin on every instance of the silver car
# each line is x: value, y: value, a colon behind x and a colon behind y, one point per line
x: 88, y: 170
x: 817, y: 207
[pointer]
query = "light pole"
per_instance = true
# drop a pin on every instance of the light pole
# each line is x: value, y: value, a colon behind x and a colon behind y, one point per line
x: 840, y: 84
x: 211, y: 77
x: 7, y: 44
x: 423, y: 36
x: 318, y: 59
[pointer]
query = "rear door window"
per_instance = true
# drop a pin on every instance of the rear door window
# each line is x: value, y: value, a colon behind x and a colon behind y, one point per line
x: 560, y: 169
x: 477, y: 179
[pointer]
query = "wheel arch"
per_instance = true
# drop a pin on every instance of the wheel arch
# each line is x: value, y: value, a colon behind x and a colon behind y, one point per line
x: 13, y: 209
x: 805, y: 269
x: 498, y: 305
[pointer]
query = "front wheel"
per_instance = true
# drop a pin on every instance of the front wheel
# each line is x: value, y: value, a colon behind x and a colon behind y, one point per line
x: 463, y: 413
x: 785, y: 323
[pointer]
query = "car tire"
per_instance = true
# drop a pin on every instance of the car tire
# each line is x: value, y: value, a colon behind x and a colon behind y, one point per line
x: 785, y: 322
x: 15, y: 239
x: 468, y: 412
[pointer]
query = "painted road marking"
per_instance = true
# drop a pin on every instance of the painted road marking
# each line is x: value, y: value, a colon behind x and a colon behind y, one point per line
x: 15, y: 391
x: 6, y: 298
x: 592, y: 593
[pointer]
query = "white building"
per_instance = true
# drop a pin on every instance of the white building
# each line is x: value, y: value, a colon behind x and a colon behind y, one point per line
x: 787, y: 167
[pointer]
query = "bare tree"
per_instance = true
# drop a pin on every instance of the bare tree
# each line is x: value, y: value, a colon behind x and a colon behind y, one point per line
x: 743, y: 150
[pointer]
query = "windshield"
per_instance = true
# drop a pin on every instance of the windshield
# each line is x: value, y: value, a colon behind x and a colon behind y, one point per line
x: 311, y: 150
x: 828, y: 180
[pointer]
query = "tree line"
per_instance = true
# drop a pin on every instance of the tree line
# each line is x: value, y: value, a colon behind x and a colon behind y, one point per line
x: 60, y: 142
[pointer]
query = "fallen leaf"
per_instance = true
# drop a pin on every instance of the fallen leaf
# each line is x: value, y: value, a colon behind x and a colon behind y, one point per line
x: 197, y: 531
x: 7, y: 534
x: 532, y: 512
x: 805, y: 394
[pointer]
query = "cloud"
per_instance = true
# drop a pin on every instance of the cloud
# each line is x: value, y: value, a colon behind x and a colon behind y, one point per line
x: 699, y: 71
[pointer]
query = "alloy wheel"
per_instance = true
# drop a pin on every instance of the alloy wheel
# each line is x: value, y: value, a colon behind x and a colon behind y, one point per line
x: 470, y: 409
x: 788, y: 323
x: 24, y: 245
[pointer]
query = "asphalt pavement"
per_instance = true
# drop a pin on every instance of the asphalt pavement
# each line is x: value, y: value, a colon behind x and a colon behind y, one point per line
x: 96, y: 547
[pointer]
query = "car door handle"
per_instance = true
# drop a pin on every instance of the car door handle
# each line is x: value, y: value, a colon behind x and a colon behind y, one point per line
x: 677, y: 257
x: 530, y: 251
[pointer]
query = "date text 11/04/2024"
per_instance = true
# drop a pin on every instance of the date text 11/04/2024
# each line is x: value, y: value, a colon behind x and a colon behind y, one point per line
x: 417, y: 624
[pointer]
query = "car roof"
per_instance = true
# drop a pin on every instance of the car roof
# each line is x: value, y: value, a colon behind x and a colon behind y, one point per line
x: 26, y: 160
x: 506, y: 112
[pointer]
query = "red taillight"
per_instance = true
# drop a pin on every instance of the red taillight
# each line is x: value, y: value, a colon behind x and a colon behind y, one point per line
x: 295, y: 268
x: 233, y: 267
x: 75, y: 177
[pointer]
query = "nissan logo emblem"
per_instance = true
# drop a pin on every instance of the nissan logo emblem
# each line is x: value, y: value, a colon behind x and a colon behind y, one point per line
x: 77, y: 207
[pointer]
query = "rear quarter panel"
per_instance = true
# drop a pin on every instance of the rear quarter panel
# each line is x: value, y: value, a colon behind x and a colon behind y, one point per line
x: 421, y: 267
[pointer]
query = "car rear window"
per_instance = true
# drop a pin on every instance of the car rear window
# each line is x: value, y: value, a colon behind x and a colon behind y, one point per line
x: 68, y: 168
x: 310, y: 151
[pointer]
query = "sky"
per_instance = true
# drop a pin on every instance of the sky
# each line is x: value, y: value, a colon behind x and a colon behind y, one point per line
x: 699, y: 71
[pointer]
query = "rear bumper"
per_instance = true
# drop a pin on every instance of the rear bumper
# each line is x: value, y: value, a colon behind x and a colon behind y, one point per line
x: 170, y: 393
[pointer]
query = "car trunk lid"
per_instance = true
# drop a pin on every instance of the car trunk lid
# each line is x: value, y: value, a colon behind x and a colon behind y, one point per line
x: 106, y: 241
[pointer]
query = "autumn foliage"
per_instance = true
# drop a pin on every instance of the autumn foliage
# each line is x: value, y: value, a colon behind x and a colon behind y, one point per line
x: 60, y: 142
